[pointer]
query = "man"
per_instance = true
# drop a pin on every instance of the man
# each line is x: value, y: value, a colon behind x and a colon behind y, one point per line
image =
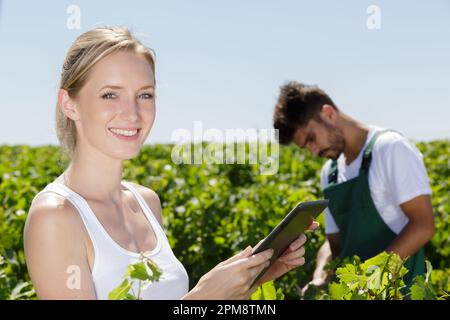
x: 375, y: 180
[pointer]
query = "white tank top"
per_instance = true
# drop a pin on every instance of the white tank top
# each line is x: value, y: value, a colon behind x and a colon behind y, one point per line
x: 111, y: 259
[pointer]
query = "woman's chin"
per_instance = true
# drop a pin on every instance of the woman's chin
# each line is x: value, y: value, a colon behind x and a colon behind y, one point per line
x: 125, y: 154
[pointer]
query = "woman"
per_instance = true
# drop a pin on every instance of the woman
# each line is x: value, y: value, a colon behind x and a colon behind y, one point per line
x: 84, y: 228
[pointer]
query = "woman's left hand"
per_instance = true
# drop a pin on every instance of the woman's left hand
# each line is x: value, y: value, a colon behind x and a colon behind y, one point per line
x: 290, y: 259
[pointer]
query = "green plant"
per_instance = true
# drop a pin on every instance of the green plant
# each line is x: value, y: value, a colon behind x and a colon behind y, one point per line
x: 378, y: 278
x: 209, y: 211
x: 267, y: 291
x: 144, y: 272
x: 423, y: 288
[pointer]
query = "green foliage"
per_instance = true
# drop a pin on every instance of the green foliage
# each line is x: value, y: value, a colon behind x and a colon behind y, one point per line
x: 210, y: 211
x: 436, y: 156
x: 144, y: 272
x: 267, y: 292
x: 423, y: 289
x: 440, y: 279
x: 378, y: 278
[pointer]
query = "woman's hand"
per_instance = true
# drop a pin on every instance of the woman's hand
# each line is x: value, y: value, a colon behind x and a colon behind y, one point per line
x: 231, y: 279
x: 290, y: 259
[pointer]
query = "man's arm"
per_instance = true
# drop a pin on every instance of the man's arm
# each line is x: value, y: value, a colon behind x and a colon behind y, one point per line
x: 327, y: 252
x: 406, y: 178
x: 418, y: 231
x: 330, y: 249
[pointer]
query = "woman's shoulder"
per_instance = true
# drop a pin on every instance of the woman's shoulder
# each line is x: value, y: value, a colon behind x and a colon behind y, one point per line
x: 53, y: 211
x: 54, y: 242
x: 151, y: 198
x: 51, y: 202
x: 146, y: 192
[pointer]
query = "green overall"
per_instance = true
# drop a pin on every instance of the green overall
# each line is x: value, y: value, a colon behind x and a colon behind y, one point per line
x: 362, y: 231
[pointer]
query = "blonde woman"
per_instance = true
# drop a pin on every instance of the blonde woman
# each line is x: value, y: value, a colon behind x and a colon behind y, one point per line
x: 91, y: 223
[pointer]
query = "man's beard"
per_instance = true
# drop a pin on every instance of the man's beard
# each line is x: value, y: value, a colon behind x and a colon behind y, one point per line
x: 337, y: 143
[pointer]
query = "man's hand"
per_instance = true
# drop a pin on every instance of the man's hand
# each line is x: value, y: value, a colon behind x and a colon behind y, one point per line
x: 324, y: 255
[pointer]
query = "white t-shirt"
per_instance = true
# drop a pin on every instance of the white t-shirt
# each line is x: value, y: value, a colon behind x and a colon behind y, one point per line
x: 397, y: 174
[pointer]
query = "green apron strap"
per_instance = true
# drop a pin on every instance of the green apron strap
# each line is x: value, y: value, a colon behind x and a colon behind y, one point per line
x: 367, y: 156
x: 367, y: 159
x: 333, y: 173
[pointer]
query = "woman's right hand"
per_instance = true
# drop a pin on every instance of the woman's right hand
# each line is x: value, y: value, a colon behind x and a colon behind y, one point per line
x: 231, y: 279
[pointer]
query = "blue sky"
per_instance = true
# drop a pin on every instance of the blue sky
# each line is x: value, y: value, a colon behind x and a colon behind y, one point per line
x: 222, y: 62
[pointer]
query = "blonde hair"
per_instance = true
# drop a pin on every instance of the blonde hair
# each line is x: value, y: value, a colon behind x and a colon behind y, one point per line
x: 88, y: 49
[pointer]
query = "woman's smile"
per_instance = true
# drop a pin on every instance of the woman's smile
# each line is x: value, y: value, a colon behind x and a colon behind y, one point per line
x: 125, y: 134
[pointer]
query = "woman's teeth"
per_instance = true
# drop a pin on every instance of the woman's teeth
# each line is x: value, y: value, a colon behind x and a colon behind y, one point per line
x: 128, y: 133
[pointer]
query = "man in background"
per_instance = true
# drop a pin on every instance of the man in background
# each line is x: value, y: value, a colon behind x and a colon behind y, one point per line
x: 375, y: 180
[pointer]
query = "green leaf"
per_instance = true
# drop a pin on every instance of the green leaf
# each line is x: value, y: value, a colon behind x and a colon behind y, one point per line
x: 338, y: 291
x: 121, y: 291
x: 375, y: 281
x: 219, y: 240
x: 280, y: 294
x: 257, y: 295
x: 156, y: 272
x: 138, y: 271
x: 429, y: 270
x: 358, y: 296
x: 421, y: 290
x: 129, y: 296
x: 267, y: 291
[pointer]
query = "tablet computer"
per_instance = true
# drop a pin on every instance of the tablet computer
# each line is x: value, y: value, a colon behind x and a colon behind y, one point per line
x: 290, y: 228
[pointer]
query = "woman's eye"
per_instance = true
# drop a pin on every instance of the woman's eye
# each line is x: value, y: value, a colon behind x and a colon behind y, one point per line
x: 108, y: 95
x: 146, y: 96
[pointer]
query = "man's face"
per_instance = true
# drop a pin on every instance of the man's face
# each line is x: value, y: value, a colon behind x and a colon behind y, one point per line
x: 320, y: 138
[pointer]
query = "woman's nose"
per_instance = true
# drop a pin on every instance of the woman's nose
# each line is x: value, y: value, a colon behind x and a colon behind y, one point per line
x: 130, y: 109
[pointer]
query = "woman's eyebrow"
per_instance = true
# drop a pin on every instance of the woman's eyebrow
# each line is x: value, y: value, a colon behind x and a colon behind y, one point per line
x: 150, y: 86
x: 108, y: 86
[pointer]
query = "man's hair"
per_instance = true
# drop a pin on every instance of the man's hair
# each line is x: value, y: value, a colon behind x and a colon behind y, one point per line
x: 297, y: 105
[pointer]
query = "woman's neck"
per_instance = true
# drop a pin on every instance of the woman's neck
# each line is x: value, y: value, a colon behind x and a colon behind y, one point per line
x: 94, y: 175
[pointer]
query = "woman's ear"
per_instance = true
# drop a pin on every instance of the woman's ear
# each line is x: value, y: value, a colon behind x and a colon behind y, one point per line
x: 67, y: 105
